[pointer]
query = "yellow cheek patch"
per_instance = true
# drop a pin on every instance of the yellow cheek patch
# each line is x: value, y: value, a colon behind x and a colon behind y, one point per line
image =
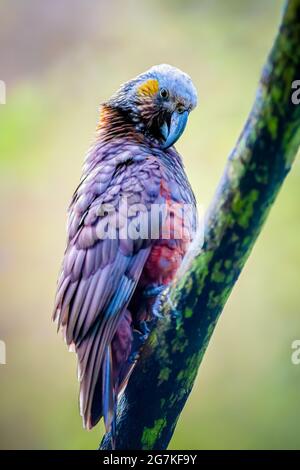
x: 149, y: 88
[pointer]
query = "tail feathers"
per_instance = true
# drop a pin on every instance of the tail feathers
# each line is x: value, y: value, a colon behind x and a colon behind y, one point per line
x: 108, y: 391
x: 100, y: 368
x: 98, y: 397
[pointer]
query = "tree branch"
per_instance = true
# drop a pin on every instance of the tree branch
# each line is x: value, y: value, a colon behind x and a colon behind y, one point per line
x: 165, y: 373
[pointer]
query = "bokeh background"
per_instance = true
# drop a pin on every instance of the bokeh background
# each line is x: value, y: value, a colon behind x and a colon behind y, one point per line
x: 59, y: 60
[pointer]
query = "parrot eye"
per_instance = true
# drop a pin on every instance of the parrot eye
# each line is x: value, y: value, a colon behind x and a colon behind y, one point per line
x: 164, y: 93
x: 180, y: 109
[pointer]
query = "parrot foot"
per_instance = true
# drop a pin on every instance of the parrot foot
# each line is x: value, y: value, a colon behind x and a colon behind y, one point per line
x: 165, y: 298
x: 141, y: 335
x: 156, y: 309
x: 145, y: 330
x: 174, y: 312
x: 133, y: 357
x: 153, y: 291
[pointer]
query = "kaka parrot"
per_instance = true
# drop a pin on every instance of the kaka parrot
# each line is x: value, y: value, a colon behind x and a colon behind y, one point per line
x: 119, y: 255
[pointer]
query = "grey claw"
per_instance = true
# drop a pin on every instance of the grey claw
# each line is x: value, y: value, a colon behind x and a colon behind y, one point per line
x: 133, y: 357
x: 144, y: 330
x: 156, y: 309
x: 153, y: 291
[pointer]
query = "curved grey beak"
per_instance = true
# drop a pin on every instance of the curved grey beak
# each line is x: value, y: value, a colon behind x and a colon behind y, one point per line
x: 177, y: 126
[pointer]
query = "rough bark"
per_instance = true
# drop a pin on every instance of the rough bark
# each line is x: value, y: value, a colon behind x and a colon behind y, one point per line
x: 165, y: 373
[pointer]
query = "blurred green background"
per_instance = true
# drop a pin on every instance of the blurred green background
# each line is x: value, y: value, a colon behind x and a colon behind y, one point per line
x: 59, y: 60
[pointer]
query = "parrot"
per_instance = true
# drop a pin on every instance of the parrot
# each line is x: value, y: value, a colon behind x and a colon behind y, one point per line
x: 120, y: 253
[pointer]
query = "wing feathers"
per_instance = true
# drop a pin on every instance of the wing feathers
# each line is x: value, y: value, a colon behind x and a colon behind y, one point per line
x: 98, y: 280
x: 108, y: 392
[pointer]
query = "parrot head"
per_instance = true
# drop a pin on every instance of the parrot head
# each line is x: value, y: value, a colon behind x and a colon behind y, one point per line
x: 158, y: 102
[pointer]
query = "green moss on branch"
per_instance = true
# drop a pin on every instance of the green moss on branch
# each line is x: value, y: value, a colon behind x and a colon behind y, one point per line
x: 164, y: 376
